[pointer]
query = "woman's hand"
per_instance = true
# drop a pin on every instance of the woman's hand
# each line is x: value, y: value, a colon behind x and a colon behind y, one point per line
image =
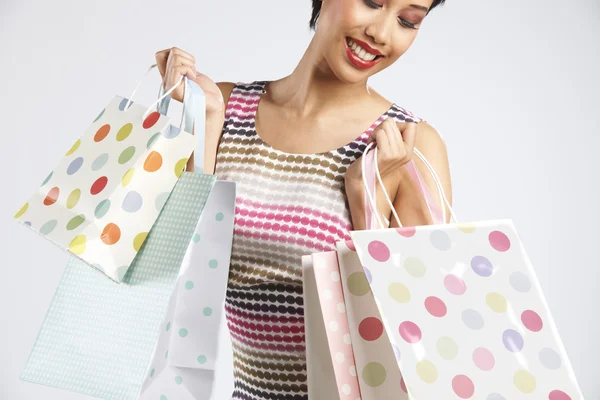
x: 174, y: 63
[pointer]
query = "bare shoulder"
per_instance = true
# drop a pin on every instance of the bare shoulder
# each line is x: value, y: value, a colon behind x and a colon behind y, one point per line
x: 429, y: 139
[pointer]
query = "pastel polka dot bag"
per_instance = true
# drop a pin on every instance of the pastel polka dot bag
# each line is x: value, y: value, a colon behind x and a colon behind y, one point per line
x: 107, y: 191
x: 463, y: 310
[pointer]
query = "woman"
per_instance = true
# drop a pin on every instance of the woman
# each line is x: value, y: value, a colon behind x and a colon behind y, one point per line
x: 296, y: 195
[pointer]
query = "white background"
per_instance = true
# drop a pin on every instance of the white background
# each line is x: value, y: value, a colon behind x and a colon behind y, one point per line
x: 512, y: 85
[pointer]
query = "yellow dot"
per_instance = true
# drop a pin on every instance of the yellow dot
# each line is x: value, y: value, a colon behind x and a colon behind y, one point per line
x: 77, y: 246
x: 374, y: 374
x: 447, y: 348
x: 399, y: 292
x: 496, y: 302
x: 124, y: 132
x: 180, y: 166
x: 467, y: 227
x: 358, y: 284
x: 524, y: 381
x: 127, y: 177
x: 73, y: 198
x: 74, y: 147
x: 415, y: 267
x: 138, y: 241
x: 427, y: 371
x: 22, y: 210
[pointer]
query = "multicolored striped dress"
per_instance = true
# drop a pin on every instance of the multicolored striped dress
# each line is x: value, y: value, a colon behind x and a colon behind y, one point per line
x: 288, y: 205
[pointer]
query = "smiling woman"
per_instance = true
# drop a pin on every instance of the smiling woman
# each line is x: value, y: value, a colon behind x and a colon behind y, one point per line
x: 294, y: 147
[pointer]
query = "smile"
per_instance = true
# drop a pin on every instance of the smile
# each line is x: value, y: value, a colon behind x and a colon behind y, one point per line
x: 361, y: 54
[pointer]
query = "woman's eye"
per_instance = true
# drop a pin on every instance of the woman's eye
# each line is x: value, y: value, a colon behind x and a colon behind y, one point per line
x: 408, y: 24
x: 372, y: 4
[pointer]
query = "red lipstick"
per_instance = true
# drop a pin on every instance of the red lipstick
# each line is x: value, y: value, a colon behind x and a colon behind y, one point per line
x: 356, y: 60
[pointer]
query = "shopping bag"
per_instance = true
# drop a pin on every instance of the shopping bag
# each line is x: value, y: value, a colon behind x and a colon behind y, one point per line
x: 183, y: 363
x: 466, y: 310
x: 329, y: 356
x: 106, y: 192
x: 98, y: 337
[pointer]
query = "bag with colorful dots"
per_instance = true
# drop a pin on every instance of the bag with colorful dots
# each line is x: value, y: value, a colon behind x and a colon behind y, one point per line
x: 107, y: 191
x: 462, y: 307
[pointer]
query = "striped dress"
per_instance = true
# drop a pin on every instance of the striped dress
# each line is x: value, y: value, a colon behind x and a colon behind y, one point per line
x: 287, y: 205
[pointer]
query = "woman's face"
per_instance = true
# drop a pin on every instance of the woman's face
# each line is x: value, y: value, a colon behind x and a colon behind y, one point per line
x: 359, y: 38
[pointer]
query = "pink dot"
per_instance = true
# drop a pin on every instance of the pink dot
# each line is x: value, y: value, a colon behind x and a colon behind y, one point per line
x: 455, y: 285
x: 379, y: 251
x: 483, y: 359
x: 408, y: 231
x: 403, y: 385
x: 370, y: 328
x: 499, y: 241
x: 435, y: 306
x: 463, y: 386
x: 532, y: 321
x: 558, y: 395
x: 350, y: 245
x: 410, y: 332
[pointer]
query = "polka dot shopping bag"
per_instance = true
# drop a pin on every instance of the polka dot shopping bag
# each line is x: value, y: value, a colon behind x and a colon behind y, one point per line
x: 463, y: 310
x: 108, y: 189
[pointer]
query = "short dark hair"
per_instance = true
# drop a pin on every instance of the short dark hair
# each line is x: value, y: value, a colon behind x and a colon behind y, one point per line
x: 316, y: 10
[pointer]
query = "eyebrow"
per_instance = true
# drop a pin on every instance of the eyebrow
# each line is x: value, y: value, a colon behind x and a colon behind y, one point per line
x: 418, y: 7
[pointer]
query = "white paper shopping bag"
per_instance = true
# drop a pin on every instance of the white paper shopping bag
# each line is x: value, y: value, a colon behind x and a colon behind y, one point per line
x: 106, y: 192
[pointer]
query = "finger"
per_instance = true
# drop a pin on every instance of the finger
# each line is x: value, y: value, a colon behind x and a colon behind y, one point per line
x: 177, y: 51
x: 382, y: 139
x: 409, y: 135
x: 161, y: 60
x: 394, y: 135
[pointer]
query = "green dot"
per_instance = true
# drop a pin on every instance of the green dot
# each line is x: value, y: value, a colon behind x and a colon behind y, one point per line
x: 163, y: 397
x: 152, y: 373
x: 220, y: 217
x: 167, y: 354
x: 178, y: 380
x: 358, y: 284
x: 201, y: 359
x: 183, y: 332
x: 196, y: 238
x: 168, y: 326
x: 207, y: 311
x: 374, y: 374
x: 213, y: 264
x: 189, y: 285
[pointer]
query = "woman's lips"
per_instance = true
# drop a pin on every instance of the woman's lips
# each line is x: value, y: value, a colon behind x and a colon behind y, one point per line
x: 356, y: 60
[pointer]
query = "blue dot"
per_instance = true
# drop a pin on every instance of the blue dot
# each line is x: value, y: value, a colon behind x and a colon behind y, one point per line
x: 189, y: 285
x: 48, y: 227
x: 183, y: 332
x: 132, y: 202
x: 123, y: 104
x: 167, y: 354
x: 100, y: 115
x: 99, y: 162
x: 47, y: 179
x: 152, y: 373
x: 163, y: 397
x: 196, y: 238
x: 213, y: 264
x: 168, y: 326
x: 201, y: 359
x: 207, y: 311
x: 75, y: 165
x: 219, y: 217
x: 178, y: 380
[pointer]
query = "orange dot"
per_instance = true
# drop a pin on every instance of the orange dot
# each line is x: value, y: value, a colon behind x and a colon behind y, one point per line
x: 153, y: 162
x: 102, y: 133
x: 111, y: 234
x: 52, y: 196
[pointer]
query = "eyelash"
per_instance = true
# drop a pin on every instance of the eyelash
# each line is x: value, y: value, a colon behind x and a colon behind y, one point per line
x: 403, y: 22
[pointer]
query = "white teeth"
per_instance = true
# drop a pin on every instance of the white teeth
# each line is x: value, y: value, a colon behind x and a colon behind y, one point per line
x: 360, y: 52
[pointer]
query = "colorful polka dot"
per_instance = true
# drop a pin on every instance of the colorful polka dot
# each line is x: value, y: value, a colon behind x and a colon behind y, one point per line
x: 151, y: 120
x: 379, y: 251
x: 532, y: 320
x: 513, y: 341
x: 415, y: 267
x: 123, y: 104
x: 178, y: 380
x: 73, y: 198
x: 196, y: 238
x: 410, y: 332
x: 219, y: 217
x: 189, y: 285
x: 126, y: 155
x: 447, y: 348
x: 472, y: 319
x: 100, y: 162
x: 77, y: 245
x: 75, y: 222
x: 374, y: 374
x: 399, y: 292
x: 397, y: 353
x: 201, y: 359
x: 408, y: 231
x: 152, y: 140
x: 152, y: 373
x: 168, y: 326
x: 370, y: 329
x: 99, y: 185
x: 520, y: 282
x: 482, y: 266
x: 180, y: 167
x: 213, y: 264
x: 124, y: 132
x: 47, y: 178
x: 73, y: 148
x: 102, y: 208
x: 111, y: 234
x: 524, y: 381
x: 550, y: 359
x: 350, y: 245
x: 496, y: 302
x: 102, y: 133
x: 22, y: 210
x: 139, y: 240
x: 403, y: 385
x: 127, y: 177
x: 463, y: 386
x: 494, y: 396
x: 74, y: 166
x: 183, y: 332
x: 207, y: 311
x: 368, y: 274
x: 132, y: 202
x: 153, y: 162
x: 558, y: 395
x: 99, y: 115
x: 427, y: 371
x: 455, y: 285
x: 440, y: 240
x: 48, y: 227
x: 358, y: 284
x: 52, y: 196
x: 499, y: 241
x: 163, y: 397
x: 483, y: 359
x: 467, y: 227
x: 435, y: 306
